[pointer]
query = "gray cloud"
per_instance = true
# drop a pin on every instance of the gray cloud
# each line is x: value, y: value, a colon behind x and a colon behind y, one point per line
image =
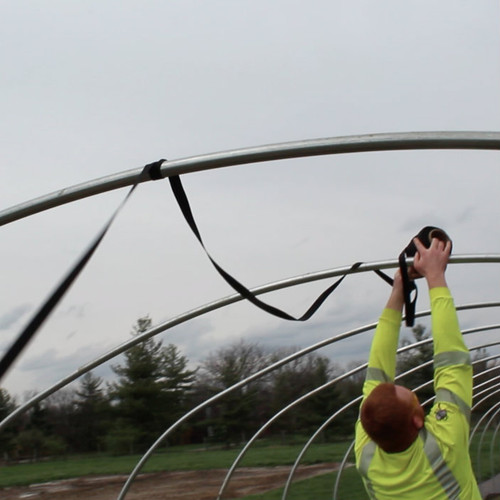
x: 48, y: 359
x: 76, y: 310
x: 10, y: 318
x: 45, y: 369
x: 466, y: 214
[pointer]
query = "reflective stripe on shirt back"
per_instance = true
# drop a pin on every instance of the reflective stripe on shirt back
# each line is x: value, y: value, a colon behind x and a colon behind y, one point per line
x: 438, y: 465
x: 364, y: 464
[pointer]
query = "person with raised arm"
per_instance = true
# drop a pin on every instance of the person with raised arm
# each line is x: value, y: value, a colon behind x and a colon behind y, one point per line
x: 400, y: 452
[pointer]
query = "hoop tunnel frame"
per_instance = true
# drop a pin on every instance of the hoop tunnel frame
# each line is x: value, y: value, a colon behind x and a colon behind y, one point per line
x: 296, y: 149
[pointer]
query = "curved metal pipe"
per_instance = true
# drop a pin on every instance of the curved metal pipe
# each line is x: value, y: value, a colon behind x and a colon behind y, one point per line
x: 481, y: 438
x: 480, y: 444
x: 472, y: 434
x: 488, y: 381
x: 484, y: 391
x: 492, y: 446
x: 271, y: 152
x: 485, y: 372
x: 493, y: 368
x: 496, y: 413
x: 341, y: 469
x: 484, y: 432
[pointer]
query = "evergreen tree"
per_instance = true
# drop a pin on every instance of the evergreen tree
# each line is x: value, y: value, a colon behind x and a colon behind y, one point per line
x: 7, y: 406
x: 60, y: 411
x: 150, y: 392
x: 177, y: 381
x: 37, y: 438
x: 91, y: 417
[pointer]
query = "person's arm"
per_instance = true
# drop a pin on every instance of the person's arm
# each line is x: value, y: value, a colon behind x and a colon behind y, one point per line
x: 382, y: 360
x: 452, y: 366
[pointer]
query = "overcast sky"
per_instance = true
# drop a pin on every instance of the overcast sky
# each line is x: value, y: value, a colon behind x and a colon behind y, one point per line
x: 89, y: 89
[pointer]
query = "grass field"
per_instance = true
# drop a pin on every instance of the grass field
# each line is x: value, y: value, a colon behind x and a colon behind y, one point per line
x: 262, y: 454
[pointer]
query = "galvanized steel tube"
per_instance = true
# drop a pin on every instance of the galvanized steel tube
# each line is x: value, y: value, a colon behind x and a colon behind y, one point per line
x: 271, y: 152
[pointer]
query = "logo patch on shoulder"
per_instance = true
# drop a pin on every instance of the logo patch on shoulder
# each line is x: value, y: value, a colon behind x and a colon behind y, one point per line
x: 441, y: 414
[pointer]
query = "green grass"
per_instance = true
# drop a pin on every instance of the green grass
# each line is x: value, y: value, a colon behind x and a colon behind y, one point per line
x: 320, y: 488
x: 263, y: 454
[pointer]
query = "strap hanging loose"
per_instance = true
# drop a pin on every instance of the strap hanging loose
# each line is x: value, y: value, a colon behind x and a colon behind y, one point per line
x: 384, y: 276
x: 410, y: 291
x: 182, y: 200
x: 47, y: 307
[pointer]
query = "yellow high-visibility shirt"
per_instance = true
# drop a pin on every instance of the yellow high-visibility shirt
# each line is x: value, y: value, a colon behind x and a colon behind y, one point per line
x: 437, y: 465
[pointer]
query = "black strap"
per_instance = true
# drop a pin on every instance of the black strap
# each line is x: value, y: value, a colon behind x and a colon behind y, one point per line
x: 409, y: 289
x: 182, y: 200
x: 384, y: 276
x: 29, y: 331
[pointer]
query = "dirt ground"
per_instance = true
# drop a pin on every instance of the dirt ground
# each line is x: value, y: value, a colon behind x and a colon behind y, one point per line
x: 178, y: 485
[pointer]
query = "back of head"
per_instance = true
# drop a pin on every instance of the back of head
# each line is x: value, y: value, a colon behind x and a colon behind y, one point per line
x: 388, y: 420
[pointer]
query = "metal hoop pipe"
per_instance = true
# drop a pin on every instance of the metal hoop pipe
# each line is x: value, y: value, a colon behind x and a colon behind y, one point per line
x: 481, y: 438
x: 492, y: 447
x: 296, y: 149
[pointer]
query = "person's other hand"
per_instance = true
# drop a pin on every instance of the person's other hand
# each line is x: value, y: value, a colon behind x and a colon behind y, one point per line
x: 431, y: 262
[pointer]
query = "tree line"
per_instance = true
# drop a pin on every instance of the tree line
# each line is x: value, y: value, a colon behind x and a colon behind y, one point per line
x: 154, y: 387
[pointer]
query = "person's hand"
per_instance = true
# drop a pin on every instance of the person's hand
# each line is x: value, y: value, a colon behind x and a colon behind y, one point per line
x: 431, y: 262
x: 396, y: 299
x: 398, y: 280
x: 413, y: 274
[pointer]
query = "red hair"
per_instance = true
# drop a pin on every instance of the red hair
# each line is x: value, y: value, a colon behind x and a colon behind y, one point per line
x: 388, y: 420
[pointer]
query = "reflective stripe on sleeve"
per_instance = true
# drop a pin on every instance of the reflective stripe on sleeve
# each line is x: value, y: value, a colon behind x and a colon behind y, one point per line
x: 449, y: 358
x: 377, y: 374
